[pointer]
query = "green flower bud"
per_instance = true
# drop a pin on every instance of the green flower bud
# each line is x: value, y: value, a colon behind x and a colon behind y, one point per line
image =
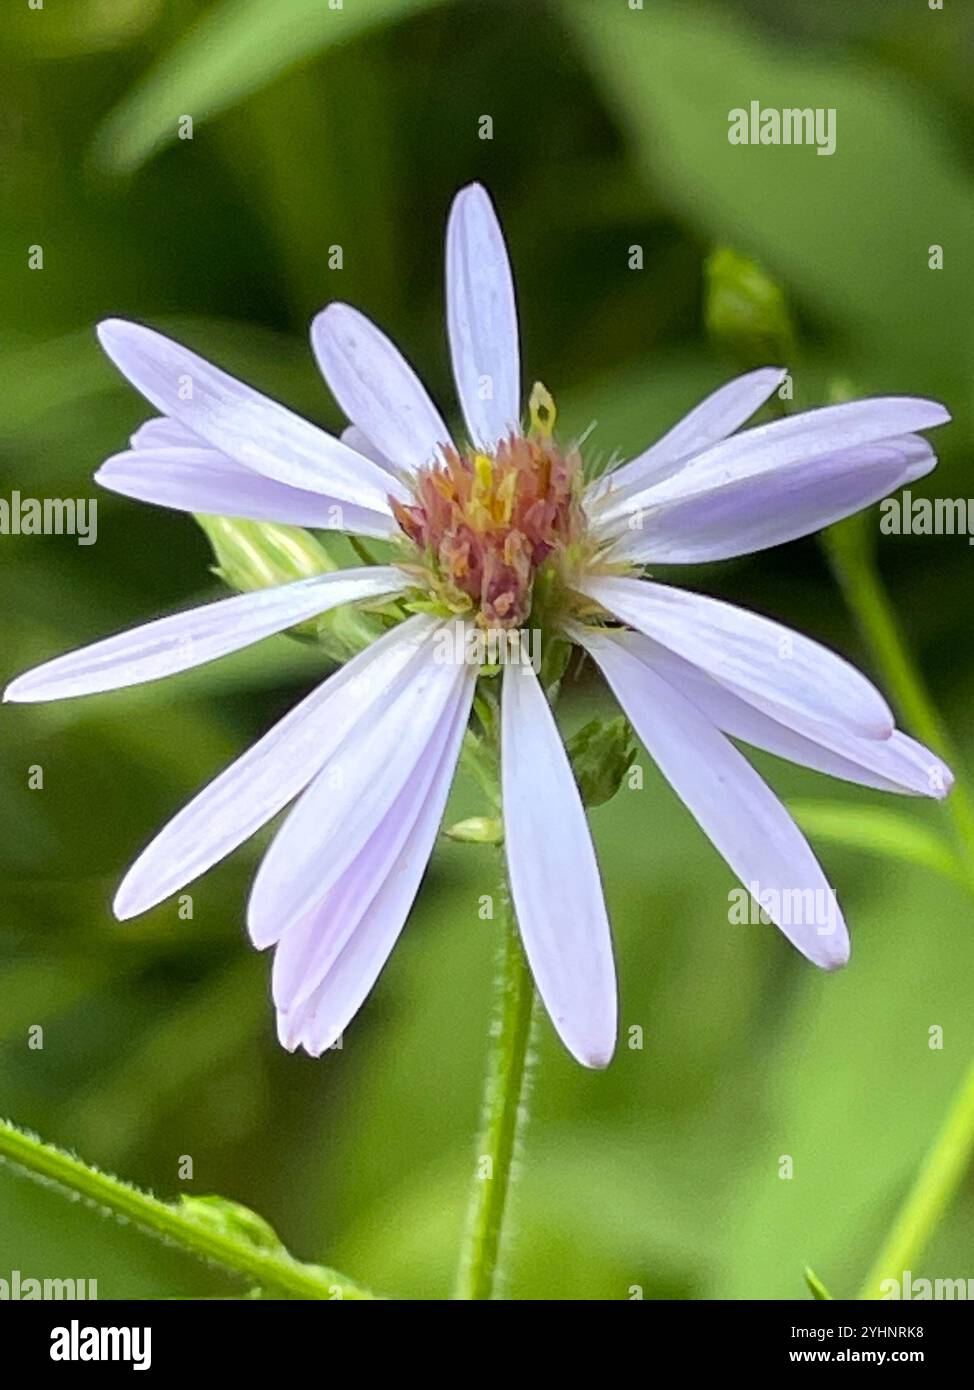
x: 601, y: 754
x: 231, y: 1219
x: 477, y: 830
x: 260, y: 554
x: 745, y: 311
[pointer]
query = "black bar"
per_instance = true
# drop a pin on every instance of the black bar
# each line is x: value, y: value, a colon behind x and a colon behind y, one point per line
x: 254, y: 1335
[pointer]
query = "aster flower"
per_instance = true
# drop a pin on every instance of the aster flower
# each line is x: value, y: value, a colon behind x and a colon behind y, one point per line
x: 498, y: 531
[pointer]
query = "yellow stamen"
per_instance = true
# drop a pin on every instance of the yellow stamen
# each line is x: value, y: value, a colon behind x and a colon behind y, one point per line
x: 541, y: 407
x: 484, y: 469
x: 504, y: 498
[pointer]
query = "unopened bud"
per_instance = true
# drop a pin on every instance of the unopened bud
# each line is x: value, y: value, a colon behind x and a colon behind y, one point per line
x: 477, y: 830
x: 746, y: 312
x: 261, y: 554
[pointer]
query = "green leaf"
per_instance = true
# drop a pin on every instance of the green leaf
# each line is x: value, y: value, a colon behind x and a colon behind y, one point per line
x: 601, y: 753
x: 879, y: 830
x: 816, y: 1287
x: 233, y: 50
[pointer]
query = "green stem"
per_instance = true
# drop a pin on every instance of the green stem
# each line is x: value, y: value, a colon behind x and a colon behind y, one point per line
x: 270, y: 1267
x: 504, y: 1116
x: 858, y: 577
x: 938, y: 1180
x: 943, y: 1168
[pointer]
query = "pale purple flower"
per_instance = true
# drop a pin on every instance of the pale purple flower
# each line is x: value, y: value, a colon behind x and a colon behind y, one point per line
x: 370, y: 754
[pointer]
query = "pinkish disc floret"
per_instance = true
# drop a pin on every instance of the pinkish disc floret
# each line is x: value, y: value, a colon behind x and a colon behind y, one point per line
x: 485, y: 525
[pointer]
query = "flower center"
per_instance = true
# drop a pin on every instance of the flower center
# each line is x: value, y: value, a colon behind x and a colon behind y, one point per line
x: 486, y: 525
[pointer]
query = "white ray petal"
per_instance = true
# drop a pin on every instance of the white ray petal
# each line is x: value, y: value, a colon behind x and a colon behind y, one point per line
x: 245, y: 795
x: 895, y: 764
x: 239, y: 421
x: 812, y: 434
x: 482, y: 318
x: 203, y: 480
x: 348, y: 799
x: 724, y: 411
x: 318, y: 1023
x: 160, y: 432
x: 737, y: 811
x: 309, y: 949
x: 360, y: 442
x: 377, y: 388
x: 555, y: 884
x: 750, y: 514
x: 184, y: 640
x: 789, y: 676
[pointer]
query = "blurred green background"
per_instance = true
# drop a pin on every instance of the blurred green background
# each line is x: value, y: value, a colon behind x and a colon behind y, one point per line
x: 313, y: 128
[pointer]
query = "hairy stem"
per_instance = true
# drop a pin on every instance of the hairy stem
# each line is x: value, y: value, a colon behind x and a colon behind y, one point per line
x: 266, y: 1265
x: 504, y: 1115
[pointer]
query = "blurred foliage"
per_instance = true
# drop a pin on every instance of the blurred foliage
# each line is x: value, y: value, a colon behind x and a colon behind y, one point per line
x: 878, y: 830
x: 313, y: 128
